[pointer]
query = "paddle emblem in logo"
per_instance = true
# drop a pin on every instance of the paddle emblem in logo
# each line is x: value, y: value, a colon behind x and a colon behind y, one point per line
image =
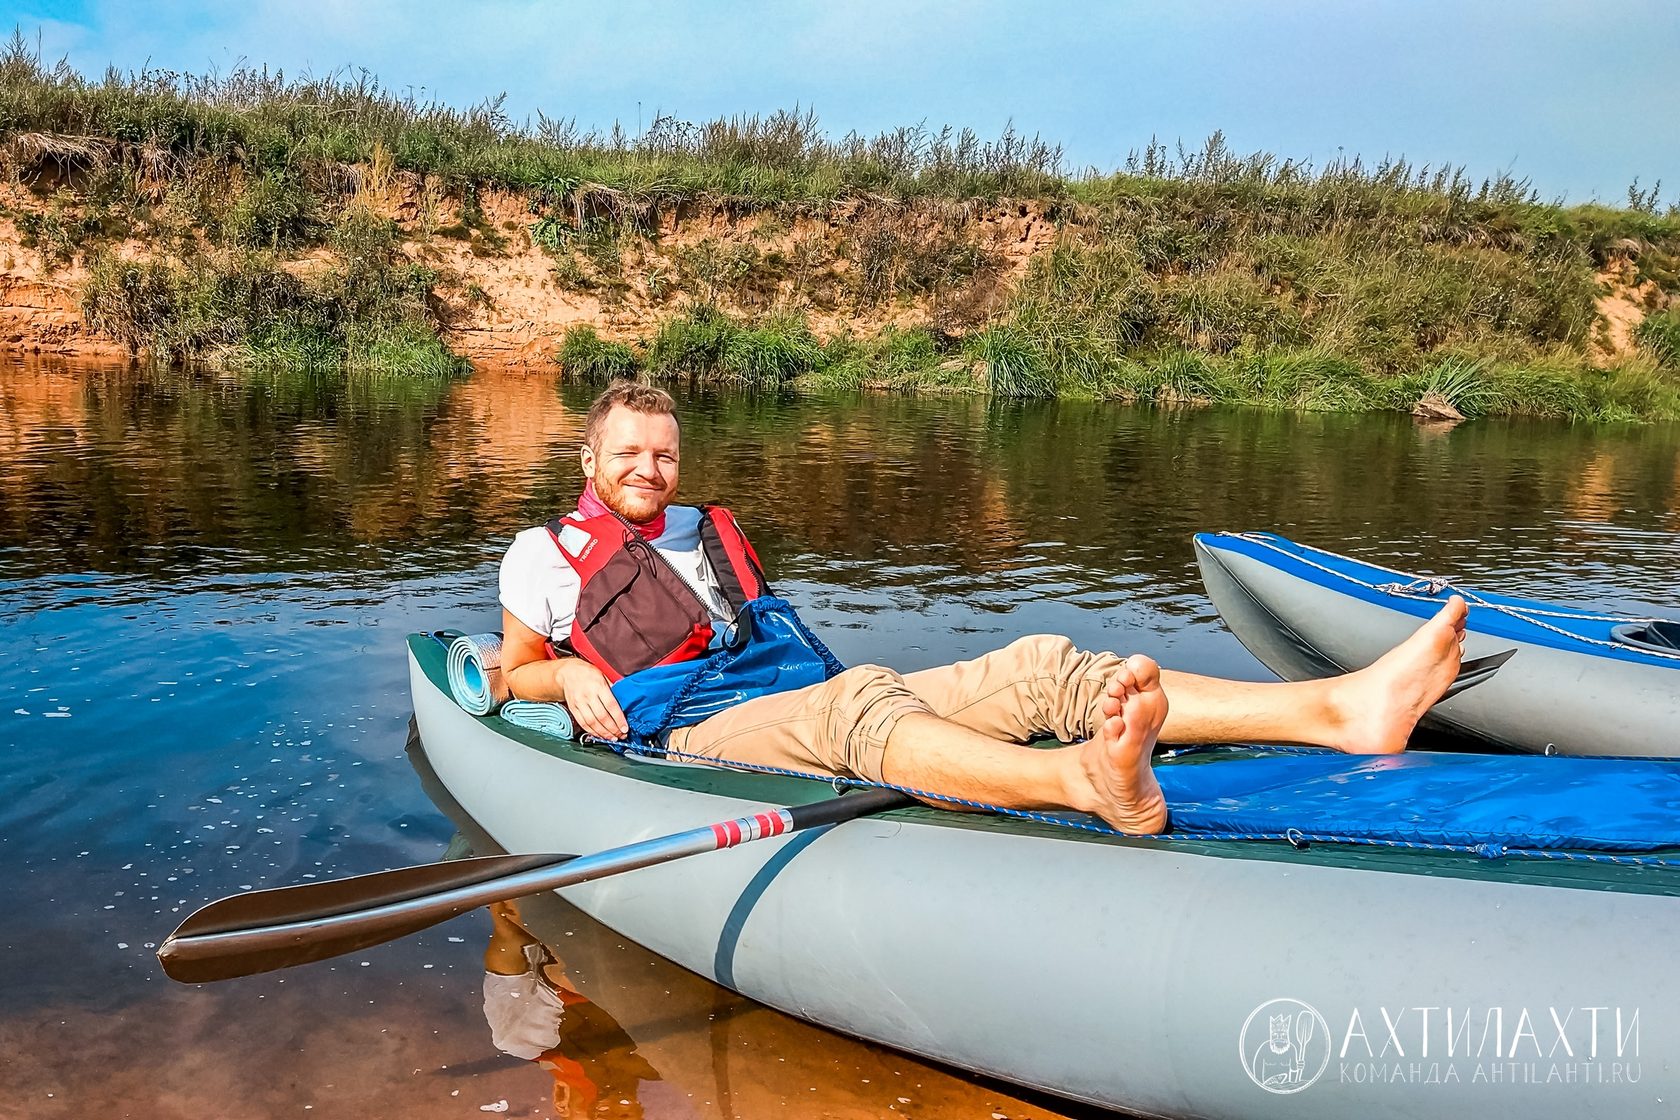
x: 1284, y: 1045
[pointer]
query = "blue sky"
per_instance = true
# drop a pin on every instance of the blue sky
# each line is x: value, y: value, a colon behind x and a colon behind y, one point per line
x: 1579, y: 96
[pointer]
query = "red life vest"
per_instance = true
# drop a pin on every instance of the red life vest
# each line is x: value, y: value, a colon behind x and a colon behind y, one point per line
x: 633, y: 609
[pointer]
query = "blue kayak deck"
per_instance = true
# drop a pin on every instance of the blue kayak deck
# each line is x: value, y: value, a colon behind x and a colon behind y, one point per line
x: 1488, y: 803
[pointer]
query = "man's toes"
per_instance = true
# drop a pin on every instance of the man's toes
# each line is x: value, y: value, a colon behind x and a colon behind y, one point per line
x: 1144, y: 671
x: 1456, y: 611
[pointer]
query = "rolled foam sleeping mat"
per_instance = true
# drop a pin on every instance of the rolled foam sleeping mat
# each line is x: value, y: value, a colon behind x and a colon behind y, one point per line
x: 547, y: 718
x: 475, y: 673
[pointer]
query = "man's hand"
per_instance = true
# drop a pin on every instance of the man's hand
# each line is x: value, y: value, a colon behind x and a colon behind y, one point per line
x: 590, y: 699
x: 572, y: 681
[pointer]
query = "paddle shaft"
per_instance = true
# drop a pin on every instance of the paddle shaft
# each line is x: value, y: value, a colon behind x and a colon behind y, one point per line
x: 228, y: 949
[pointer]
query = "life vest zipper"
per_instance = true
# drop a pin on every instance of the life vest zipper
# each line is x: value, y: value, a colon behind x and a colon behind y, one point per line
x: 636, y: 539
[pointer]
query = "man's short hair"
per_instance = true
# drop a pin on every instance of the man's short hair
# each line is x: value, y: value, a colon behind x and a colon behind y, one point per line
x: 625, y: 394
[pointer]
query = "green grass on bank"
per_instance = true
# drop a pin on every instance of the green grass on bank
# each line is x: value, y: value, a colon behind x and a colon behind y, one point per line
x: 1187, y: 275
x: 1016, y: 360
x: 303, y: 143
x: 240, y: 307
x: 299, y: 130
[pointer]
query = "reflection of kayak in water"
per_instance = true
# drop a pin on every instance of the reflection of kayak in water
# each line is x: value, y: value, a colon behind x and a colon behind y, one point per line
x: 1077, y: 962
x: 1581, y: 682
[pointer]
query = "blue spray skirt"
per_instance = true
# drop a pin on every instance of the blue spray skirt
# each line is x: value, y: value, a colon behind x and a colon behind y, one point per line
x: 767, y: 650
x: 1458, y: 800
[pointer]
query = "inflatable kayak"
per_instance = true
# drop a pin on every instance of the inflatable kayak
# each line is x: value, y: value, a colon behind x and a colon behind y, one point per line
x: 1580, y: 682
x: 1186, y: 976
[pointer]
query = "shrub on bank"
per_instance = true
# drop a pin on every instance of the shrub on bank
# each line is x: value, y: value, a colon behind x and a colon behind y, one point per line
x: 241, y: 308
x: 1659, y: 337
x: 586, y: 355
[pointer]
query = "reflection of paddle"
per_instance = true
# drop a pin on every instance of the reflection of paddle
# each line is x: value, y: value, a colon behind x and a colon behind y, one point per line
x: 264, y: 930
x: 1303, y: 1035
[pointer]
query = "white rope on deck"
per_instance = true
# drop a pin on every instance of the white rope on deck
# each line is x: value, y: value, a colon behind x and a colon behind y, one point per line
x: 1427, y: 588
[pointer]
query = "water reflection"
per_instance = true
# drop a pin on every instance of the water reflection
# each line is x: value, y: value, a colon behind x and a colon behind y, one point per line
x: 612, y: 1024
x: 536, y: 1014
x: 125, y: 471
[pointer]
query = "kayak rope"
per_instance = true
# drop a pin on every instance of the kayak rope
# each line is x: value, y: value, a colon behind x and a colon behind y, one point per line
x: 1297, y: 838
x: 1429, y: 588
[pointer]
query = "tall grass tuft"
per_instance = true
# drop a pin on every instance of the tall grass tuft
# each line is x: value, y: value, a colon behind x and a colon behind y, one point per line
x: 586, y: 355
x: 690, y: 344
x: 770, y: 355
x: 1659, y: 336
x: 1465, y: 384
x: 1013, y: 361
x: 1180, y: 377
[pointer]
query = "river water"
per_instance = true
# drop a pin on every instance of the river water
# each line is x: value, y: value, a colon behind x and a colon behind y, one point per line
x: 207, y: 579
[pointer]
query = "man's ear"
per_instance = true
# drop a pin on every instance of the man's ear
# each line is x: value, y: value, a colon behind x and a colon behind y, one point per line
x: 586, y: 459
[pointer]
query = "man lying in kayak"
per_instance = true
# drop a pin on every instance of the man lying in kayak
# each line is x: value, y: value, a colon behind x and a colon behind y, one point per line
x: 626, y: 591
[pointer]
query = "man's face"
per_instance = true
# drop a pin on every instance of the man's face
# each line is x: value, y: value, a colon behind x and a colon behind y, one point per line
x: 635, y: 467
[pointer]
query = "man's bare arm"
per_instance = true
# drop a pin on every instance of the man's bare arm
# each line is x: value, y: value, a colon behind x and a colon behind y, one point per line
x: 532, y: 675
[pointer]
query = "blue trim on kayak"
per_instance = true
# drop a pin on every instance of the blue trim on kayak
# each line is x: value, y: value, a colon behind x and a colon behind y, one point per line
x: 1292, y: 559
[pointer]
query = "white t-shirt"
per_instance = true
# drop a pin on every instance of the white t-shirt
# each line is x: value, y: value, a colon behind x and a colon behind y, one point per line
x: 539, y: 586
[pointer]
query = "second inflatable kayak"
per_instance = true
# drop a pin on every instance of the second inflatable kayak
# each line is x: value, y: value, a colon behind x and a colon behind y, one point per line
x: 1580, y: 682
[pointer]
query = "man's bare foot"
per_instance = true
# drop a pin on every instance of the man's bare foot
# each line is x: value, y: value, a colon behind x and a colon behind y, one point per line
x: 1112, y: 776
x: 1378, y: 706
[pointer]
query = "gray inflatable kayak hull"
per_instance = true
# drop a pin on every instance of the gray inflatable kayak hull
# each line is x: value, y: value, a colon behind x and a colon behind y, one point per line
x: 1140, y: 975
x: 1553, y: 696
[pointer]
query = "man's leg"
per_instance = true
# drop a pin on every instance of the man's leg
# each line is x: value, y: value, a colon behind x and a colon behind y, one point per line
x: 837, y: 727
x: 1043, y: 686
x: 1108, y: 774
x: 1035, y: 687
x: 866, y: 722
x: 1370, y: 711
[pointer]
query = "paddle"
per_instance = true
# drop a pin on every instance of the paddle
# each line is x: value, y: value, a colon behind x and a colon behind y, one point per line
x: 260, y: 931
x: 1473, y: 672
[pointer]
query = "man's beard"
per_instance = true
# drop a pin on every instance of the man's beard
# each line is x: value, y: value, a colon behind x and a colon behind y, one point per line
x: 635, y: 507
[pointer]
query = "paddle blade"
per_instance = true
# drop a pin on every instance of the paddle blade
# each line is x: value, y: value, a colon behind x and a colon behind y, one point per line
x: 179, y: 962
x: 1478, y: 669
x: 308, y: 902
